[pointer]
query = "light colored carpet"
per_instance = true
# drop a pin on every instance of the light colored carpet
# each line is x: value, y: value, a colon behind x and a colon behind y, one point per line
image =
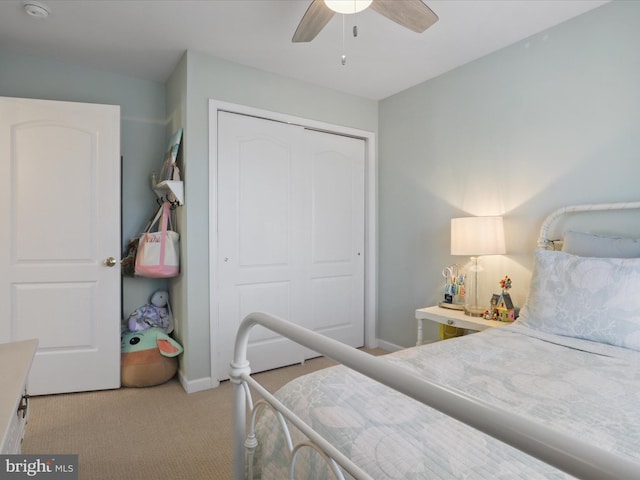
x: 151, y: 433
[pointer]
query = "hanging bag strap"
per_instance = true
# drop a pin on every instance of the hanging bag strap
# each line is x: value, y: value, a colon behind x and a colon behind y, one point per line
x: 154, y: 220
x: 163, y: 229
x: 166, y: 206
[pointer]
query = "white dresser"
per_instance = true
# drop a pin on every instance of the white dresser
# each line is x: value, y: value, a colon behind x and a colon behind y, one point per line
x: 15, y: 362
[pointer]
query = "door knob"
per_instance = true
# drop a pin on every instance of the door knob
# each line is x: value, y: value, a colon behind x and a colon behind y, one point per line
x: 110, y: 262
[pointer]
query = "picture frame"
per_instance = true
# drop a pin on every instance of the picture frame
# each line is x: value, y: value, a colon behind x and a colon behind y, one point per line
x: 169, y: 168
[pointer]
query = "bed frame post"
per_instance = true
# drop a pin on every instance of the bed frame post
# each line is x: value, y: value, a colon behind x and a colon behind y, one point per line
x: 238, y: 369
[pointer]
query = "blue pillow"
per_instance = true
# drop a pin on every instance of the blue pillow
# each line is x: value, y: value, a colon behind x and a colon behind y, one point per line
x: 595, y: 299
x: 590, y: 245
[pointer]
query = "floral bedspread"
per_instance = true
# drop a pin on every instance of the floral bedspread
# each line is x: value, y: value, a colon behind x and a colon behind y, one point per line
x: 587, y: 390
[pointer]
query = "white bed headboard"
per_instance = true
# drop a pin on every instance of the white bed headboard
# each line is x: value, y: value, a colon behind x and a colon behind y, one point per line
x: 561, y: 221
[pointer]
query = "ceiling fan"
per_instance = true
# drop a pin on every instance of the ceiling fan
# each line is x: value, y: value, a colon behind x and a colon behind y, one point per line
x: 411, y: 14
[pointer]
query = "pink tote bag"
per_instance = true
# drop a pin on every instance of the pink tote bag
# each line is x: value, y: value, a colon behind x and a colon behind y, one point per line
x: 158, y: 253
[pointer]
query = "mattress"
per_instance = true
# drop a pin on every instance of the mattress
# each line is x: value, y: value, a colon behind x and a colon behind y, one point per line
x: 584, y: 389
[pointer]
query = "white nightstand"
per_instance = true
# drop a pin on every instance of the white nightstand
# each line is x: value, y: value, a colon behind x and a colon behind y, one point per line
x: 452, y: 318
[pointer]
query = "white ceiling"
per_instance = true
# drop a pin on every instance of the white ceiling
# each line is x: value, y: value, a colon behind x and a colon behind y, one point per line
x: 146, y: 38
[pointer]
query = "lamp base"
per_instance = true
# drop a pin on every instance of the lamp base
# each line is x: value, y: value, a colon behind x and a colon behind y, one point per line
x: 451, y: 306
x: 474, y: 311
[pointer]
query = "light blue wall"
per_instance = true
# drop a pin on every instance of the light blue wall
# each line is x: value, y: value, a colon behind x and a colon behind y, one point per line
x: 150, y: 111
x: 210, y: 78
x: 143, y: 133
x: 550, y: 121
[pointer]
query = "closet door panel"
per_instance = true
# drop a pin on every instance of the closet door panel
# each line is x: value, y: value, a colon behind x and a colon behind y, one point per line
x: 258, y: 243
x: 290, y: 209
x: 336, y: 268
x: 264, y: 212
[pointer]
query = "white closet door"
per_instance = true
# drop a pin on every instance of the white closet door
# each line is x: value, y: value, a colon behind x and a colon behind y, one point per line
x: 290, y: 235
x: 60, y: 221
x: 335, y: 264
x: 259, y: 250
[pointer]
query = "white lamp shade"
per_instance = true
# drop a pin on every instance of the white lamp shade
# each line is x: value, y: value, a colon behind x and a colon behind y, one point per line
x: 347, y: 6
x: 475, y: 236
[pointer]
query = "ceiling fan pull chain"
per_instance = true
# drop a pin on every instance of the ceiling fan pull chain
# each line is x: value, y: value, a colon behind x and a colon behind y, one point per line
x: 344, y: 56
x: 355, y: 17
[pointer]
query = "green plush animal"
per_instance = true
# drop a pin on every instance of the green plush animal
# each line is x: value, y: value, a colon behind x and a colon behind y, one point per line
x: 148, y: 358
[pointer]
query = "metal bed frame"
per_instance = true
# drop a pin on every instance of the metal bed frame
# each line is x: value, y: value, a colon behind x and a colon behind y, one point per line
x: 568, y: 454
x: 543, y: 239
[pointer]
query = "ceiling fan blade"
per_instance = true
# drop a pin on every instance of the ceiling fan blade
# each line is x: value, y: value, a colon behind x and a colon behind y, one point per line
x: 314, y: 20
x: 412, y: 14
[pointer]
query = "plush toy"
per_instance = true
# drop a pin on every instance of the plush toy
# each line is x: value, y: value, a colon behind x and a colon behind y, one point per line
x: 148, y: 358
x: 155, y: 314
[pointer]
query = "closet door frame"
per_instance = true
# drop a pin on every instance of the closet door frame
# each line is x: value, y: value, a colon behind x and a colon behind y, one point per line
x: 371, y: 207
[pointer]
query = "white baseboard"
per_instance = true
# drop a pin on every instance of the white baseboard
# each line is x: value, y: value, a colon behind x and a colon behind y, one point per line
x: 198, y: 385
x: 388, y: 346
x: 206, y: 383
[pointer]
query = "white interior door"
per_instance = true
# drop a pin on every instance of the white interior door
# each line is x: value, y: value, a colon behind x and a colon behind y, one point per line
x: 60, y: 222
x: 290, y: 235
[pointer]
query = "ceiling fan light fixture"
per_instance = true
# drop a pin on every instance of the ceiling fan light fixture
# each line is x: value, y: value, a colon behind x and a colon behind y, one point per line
x: 348, y: 6
x: 36, y: 9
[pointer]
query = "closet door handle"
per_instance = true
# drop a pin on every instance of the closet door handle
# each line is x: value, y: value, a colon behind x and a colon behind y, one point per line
x: 110, y: 262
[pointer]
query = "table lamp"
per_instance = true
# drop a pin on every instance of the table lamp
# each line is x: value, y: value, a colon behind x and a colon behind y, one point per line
x: 476, y: 236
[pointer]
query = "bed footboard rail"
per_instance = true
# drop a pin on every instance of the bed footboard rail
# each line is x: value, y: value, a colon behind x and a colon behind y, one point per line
x: 571, y: 455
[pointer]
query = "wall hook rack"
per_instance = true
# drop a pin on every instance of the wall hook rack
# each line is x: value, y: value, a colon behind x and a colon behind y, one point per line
x: 169, y: 190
